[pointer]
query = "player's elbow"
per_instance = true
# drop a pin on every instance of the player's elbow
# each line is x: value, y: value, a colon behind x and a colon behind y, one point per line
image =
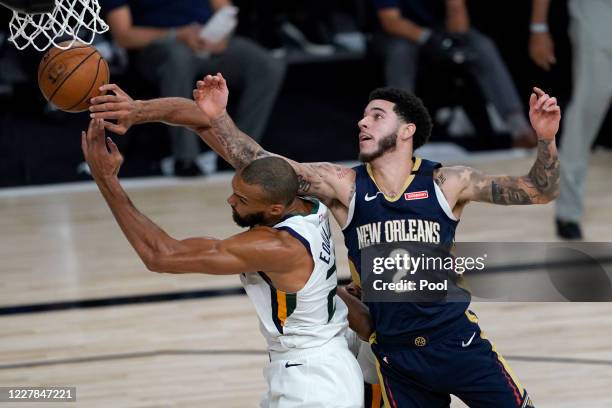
x: 154, y: 264
x: 547, y: 197
x: 549, y: 194
x: 552, y: 196
x: 157, y: 261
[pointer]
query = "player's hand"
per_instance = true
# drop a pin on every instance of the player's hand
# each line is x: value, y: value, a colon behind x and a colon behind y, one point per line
x: 101, y: 153
x: 353, y: 290
x: 211, y: 95
x: 119, y: 107
x: 544, y: 114
x: 542, y: 50
x: 190, y: 36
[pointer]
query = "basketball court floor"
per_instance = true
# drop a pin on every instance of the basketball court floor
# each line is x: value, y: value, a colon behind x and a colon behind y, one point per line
x: 78, y: 308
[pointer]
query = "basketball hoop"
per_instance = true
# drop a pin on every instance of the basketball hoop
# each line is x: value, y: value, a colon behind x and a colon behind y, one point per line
x: 72, y: 20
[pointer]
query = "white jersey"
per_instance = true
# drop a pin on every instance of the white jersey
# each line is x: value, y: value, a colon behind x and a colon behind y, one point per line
x: 314, y: 315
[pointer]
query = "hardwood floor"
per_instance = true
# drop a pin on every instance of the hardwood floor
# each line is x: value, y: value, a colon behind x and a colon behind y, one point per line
x: 61, y: 244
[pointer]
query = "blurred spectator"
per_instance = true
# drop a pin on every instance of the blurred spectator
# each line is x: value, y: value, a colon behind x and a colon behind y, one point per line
x: 440, y: 31
x: 284, y: 26
x: 590, y: 33
x: 170, y: 50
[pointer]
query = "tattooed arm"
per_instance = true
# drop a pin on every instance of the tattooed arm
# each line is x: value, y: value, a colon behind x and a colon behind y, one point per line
x: 208, y: 118
x: 334, y: 185
x: 539, y: 186
x: 331, y: 183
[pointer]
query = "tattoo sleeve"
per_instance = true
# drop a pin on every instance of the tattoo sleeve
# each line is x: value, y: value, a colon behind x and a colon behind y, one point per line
x: 239, y: 150
x: 304, y: 184
x: 351, y: 194
x: 545, y: 171
x: 540, y: 186
x: 508, y: 193
x: 236, y: 147
x: 310, y: 177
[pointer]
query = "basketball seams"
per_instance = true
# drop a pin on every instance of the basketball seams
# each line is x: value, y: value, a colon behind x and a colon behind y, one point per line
x: 70, y: 74
x: 93, y: 83
x: 42, y: 69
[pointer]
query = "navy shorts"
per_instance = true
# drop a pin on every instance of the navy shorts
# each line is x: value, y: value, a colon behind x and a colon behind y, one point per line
x: 422, y: 371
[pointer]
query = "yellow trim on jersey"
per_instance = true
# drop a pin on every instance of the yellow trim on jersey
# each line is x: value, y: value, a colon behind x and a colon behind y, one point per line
x: 472, y: 317
x: 354, y: 274
x: 383, y: 389
x: 505, y: 364
x: 281, y: 298
x: 376, y: 395
x: 415, y: 167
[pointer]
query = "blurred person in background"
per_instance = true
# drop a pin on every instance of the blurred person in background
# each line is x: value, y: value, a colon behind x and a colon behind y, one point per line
x: 590, y: 32
x: 440, y: 31
x: 169, y: 49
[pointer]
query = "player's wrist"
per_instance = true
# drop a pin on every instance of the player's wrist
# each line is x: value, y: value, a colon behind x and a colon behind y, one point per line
x: 106, y: 183
x: 149, y: 111
x: 223, y: 115
x: 139, y: 112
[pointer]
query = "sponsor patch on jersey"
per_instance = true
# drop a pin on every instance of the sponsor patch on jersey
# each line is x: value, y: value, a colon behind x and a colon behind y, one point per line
x: 416, y: 195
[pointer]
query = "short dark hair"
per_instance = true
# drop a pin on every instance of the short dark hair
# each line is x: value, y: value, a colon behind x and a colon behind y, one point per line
x: 410, y: 109
x: 276, y: 177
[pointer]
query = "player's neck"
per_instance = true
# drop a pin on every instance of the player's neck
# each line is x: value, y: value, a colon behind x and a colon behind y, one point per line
x: 299, y: 206
x: 391, y: 170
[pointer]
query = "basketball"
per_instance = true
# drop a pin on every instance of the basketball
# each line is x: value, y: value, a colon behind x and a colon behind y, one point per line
x: 70, y: 78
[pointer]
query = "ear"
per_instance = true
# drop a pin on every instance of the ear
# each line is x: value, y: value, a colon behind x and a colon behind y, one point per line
x: 406, y: 131
x: 276, y: 210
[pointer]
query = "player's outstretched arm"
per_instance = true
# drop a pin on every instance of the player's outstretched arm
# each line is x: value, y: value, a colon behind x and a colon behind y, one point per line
x: 329, y: 182
x: 257, y: 249
x: 119, y: 107
x: 539, y: 186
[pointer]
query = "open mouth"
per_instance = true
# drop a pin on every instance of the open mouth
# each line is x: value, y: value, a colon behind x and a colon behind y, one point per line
x: 364, y: 137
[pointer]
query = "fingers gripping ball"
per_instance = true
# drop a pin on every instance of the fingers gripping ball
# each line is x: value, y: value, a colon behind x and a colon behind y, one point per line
x: 70, y: 78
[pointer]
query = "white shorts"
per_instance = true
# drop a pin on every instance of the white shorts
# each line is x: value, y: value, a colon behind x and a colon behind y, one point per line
x: 320, y: 377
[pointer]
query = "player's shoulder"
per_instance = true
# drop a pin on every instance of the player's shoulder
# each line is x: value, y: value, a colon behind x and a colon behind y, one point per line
x: 274, y: 240
x: 453, y: 174
x: 334, y: 171
x: 339, y: 181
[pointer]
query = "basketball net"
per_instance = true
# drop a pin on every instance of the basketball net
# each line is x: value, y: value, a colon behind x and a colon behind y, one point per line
x: 70, y: 20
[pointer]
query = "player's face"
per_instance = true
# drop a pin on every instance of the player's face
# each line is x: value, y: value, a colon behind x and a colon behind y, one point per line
x: 249, y: 207
x: 377, y: 130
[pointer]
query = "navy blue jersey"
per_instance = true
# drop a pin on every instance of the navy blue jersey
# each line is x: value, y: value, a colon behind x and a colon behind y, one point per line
x: 418, y: 214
